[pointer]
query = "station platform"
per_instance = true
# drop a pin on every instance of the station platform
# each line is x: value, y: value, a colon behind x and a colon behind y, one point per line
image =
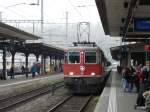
x: 20, y: 78
x: 114, y: 99
x: 22, y: 84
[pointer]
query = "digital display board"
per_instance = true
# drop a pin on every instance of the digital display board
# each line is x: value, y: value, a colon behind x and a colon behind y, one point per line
x: 142, y: 24
x: 144, y: 2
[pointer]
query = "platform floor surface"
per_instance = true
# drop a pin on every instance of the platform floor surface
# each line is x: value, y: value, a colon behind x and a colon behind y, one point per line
x: 19, y: 78
x: 114, y: 99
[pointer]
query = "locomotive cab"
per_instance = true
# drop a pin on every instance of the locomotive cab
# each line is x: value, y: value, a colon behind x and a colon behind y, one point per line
x: 84, y: 68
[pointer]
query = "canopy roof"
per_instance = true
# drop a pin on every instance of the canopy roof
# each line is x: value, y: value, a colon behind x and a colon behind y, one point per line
x: 9, y: 32
x: 118, y: 17
x: 34, y: 48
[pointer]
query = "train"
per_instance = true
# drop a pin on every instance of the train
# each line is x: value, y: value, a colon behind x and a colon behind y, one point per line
x: 84, y: 68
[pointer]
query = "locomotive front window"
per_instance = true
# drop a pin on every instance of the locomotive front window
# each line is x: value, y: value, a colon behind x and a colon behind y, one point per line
x: 90, y: 57
x: 74, y: 57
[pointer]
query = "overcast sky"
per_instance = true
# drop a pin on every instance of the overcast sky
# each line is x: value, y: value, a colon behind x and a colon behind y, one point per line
x: 54, y: 10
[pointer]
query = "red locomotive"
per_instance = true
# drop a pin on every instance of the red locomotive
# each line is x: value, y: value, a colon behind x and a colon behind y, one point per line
x: 84, y: 68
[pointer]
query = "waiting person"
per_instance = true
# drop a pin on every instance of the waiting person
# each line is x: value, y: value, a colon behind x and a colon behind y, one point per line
x: 141, y: 78
x: 38, y: 68
x: 145, y: 72
x: 11, y: 72
x: 33, y: 70
x: 119, y: 69
x: 23, y: 69
x: 125, y: 75
x: 143, y: 90
x: 131, y: 78
x: 137, y: 80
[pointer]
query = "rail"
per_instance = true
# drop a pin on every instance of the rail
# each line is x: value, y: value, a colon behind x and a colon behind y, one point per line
x: 71, y: 103
x: 10, y: 102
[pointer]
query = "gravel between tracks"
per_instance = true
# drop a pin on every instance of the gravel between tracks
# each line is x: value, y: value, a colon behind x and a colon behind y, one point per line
x: 92, y: 104
x: 42, y: 104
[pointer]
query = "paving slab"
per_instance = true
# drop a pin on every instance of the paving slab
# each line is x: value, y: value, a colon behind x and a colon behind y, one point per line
x: 114, y: 99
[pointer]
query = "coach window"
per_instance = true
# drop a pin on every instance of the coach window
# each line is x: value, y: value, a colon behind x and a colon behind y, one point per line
x: 90, y: 57
x: 74, y: 57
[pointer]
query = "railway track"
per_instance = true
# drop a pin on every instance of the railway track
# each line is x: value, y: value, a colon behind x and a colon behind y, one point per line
x: 10, y: 102
x: 71, y: 104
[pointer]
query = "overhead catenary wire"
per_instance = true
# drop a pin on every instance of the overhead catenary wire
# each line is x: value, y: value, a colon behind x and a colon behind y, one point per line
x: 14, y: 12
x: 75, y: 8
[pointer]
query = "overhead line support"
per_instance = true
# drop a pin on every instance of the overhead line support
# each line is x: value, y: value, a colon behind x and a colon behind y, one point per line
x: 129, y: 17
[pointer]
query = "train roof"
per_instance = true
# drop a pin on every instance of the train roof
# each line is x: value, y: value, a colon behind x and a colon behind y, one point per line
x: 83, y: 46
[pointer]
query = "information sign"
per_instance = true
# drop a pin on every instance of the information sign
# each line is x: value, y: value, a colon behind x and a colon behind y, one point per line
x: 147, y: 47
x: 142, y: 24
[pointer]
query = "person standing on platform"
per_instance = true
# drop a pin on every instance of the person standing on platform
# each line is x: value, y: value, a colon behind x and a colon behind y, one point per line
x: 137, y: 79
x: 23, y: 69
x: 38, y: 65
x: 125, y: 75
x: 12, y: 73
x: 131, y: 78
x: 141, y: 78
x: 33, y: 70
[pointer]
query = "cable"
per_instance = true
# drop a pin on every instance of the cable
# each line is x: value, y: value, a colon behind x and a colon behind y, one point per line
x: 24, y: 17
x: 7, y: 8
x: 15, y: 5
x: 57, y: 23
x: 75, y: 8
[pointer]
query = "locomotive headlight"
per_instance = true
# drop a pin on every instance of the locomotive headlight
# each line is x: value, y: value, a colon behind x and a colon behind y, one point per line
x: 82, y: 68
x: 70, y: 73
x: 93, y: 73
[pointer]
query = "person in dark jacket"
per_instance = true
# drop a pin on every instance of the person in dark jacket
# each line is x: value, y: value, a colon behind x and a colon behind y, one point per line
x: 12, y: 73
x: 23, y: 69
x: 125, y: 75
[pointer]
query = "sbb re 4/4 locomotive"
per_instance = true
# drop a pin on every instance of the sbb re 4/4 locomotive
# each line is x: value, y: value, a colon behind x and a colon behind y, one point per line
x: 84, y: 68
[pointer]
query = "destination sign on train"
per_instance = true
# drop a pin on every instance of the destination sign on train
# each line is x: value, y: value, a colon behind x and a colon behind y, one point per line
x: 142, y: 24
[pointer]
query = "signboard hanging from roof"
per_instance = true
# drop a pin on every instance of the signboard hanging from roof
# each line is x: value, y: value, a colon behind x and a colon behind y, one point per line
x: 142, y: 24
x: 144, y: 2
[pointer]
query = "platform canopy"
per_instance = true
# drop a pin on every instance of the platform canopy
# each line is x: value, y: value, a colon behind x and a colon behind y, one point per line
x: 129, y: 19
x: 9, y: 32
x: 44, y: 49
x: 117, y: 52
